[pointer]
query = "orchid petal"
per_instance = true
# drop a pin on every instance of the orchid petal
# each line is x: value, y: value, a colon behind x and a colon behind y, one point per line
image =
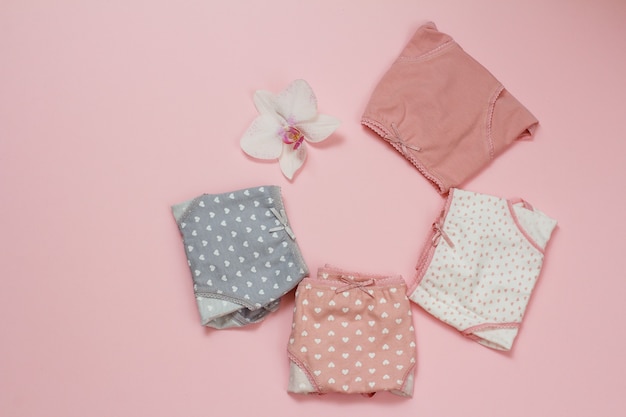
x: 319, y: 128
x: 261, y: 139
x: 265, y: 103
x: 291, y: 159
x: 297, y: 102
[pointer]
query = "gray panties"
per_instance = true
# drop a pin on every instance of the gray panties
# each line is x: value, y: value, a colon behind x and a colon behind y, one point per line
x: 242, y: 254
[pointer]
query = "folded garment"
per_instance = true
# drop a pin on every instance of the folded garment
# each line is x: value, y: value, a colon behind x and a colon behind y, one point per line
x: 443, y: 111
x: 242, y: 254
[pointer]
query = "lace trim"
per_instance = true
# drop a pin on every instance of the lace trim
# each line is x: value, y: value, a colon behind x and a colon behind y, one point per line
x: 428, y: 249
x: 492, y: 106
x: 384, y: 133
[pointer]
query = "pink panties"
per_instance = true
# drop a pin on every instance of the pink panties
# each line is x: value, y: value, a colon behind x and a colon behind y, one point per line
x: 443, y: 111
x: 352, y: 333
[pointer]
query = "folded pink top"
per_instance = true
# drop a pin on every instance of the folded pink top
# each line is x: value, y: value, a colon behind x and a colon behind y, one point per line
x: 444, y: 111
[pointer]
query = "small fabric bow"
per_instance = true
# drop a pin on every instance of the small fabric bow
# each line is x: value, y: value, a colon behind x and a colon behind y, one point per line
x: 440, y: 233
x: 282, y: 218
x: 350, y: 284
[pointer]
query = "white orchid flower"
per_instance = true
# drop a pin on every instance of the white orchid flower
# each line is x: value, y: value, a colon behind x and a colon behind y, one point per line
x: 285, y: 121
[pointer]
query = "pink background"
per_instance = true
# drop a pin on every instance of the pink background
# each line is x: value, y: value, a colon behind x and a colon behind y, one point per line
x: 112, y: 111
